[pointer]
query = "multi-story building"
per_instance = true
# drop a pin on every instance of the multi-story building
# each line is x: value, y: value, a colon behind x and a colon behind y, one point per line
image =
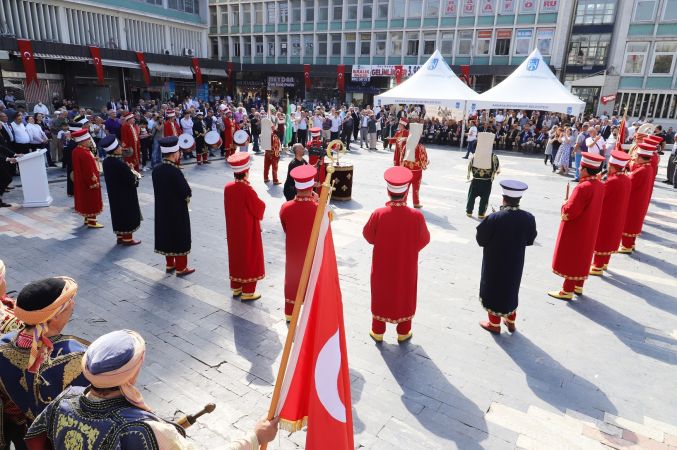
x: 168, y: 32
x: 272, y: 37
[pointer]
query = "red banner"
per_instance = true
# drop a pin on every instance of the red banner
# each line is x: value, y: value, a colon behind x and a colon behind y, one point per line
x: 398, y: 74
x: 98, y: 65
x: 143, y: 67
x: 231, y: 74
x: 306, y: 76
x: 608, y: 98
x: 465, y: 73
x: 341, y: 77
x: 198, y: 72
x: 26, y: 51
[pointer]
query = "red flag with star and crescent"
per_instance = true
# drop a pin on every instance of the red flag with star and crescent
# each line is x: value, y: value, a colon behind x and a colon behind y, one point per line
x: 316, y: 386
x: 26, y: 50
x: 96, y: 58
x: 306, y: 76
x: 144, y: 68
x: 340, y: 77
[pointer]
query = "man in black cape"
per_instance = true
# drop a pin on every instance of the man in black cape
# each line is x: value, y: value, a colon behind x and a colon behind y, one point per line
x: 172, y: 222
x: 289, y: 186
x: 121, y: 184
x: 504, y: 235
x: 67, y: 161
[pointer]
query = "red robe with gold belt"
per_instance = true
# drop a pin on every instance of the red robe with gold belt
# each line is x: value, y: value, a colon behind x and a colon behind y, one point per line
x: 614, y: 210
x: 578, y: 230
x: 244, y: 212
x: 400, y: 139
x: 297, y: 218
x: 172, y: 129
x: 86, y: 183
x: 228, y: 131
x: 642, y: 177
x: 129, y: 134
x: 420, y: 161
x: 398, y: 233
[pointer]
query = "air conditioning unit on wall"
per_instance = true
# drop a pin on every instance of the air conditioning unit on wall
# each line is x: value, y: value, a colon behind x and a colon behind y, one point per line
x: 188, y: 52
x: 166, y: 52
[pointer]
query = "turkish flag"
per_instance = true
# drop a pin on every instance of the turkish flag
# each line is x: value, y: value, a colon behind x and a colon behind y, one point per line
x: 465, y: 73
x: 399, y: 71
x: 198, y: 72
x: 316, y: 386
x: 230, y: 72
x: 98, y: 65
x: 306, y: 76
x: 143, y: 67
x: 341, y: 77
x: 26, y: 50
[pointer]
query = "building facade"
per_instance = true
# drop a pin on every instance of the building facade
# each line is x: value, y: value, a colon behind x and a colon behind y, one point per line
x: 168, y: 32
x: 492, y: 36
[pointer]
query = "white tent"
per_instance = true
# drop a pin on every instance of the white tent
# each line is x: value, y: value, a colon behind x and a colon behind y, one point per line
x: 433, y: 84
x: 531, y: 86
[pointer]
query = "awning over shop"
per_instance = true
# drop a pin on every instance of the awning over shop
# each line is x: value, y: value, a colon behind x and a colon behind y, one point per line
x: 55, y: 56
x: 119, y: 63
x: 214, y: 72
x: 169, y: 71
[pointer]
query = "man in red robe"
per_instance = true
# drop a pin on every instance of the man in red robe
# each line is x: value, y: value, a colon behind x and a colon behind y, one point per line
x: 297, y: 218
x: 172, y: 127
x: 614, y: 210
x: 398, y: 233
x: 244, y: 212
x: 400, y: 137
x: 655, y: 158
x: 229, y: 128
x: 578, y: 229
x: 129, y: 135
x: 642, y: 179
x: 86, y: 182
x: 414, y: 158
x: 316, y: 154
x: 271, y: 145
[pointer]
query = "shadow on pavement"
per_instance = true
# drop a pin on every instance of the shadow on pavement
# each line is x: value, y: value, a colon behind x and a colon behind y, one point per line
x: 356, y: 387
x: 551, y: 381
x: 246, y: 336
x: 436, y: 219
x: 416, y: 373
x: 631, y: 333
x: 655, y: 238
x: 650, y: 295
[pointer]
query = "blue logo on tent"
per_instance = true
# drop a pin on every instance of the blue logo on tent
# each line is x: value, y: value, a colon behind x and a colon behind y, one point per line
x: 532, y: 64
x: 570, y: 110
x: 433, y: 64
x: 473, y: 106
x: 458, y: 105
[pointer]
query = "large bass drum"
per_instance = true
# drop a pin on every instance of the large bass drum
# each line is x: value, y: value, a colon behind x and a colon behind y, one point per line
x: 342, y: 179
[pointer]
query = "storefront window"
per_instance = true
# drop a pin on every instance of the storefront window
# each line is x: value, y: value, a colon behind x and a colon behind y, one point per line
x: 380, y: 44
x: 350, y: 44
x: 365, y: 44
x: 270, y: 13
x: 308, y: 46
x: 295, y: 11
x: 322, y: 45
x: 323, y: 10
x: 337, y: 10
x: 296, y: 45
x: 589, y: 49
x: 415, y: 8
x: 429, y: 43
x: 335, y: 45
x: 447, y: 43
x: 396, y: 43
x: 503, y: 38
x: 523, y: 42
x: 589, y: 12
x: 382, y: 9
x: 432, y: 8
x: 464, y: 42
x: 412, y: 43
x: 483, y: 42
x: 351, y: 9
x: 284, y: 12
x: 544, y: 40
x: 635, y: 57
x: 664, y: 58
x: 246, y: 14
x: 310, y: 11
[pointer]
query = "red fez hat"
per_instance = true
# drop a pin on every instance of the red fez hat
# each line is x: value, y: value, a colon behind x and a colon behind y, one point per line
x: 646, y: 149
x: 398, y: 179
x: 80, y: 135
x: 591, y: 160
x: 128, y: 115
x: 653, y: 139
x: 619, y: 158
x: 315, y: 131
x: 239, y: 162
x: 404, y: 121
x: 304, y: 176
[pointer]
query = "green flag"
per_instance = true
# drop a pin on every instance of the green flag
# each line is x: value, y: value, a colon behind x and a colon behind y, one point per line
x: 288, y: 125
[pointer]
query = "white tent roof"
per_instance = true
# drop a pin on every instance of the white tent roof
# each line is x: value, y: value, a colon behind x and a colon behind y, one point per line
x: 531, y: 86
x: 433, y: 84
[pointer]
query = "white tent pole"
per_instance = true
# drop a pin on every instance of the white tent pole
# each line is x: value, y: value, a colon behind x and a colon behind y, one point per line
x: 465, y: 110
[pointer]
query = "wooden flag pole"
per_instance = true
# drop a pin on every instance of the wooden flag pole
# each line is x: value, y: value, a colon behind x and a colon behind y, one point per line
x: 301, y: 291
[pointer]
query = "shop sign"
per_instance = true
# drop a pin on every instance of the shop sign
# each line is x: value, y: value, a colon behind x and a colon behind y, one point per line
x: 487, y: 7
x: 384, y: 70
x: 507, y: 7
x: 450, y: 8
x: 468, y: 8
x: 360, y: 73
x: 277, y: 82
x: 528, y: 6
x: 549, y: 5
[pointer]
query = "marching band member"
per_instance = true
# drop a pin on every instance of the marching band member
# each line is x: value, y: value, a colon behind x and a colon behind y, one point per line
x: 642, y: 179
x: 38, y: 362
x: 614, y: 210
x: 129, y: 136
x: 483, y: 166
x: 414, y: 158
x: 316, y: 154
x: 199, y: 131
x: 172, y: 220
x: 297, y: 218
x: 398, y: 233
x: 244, y: 212
x: 86, y: 181
x: 229, y: 128
x: 503, y: 236
x: 290, y: 184
x: 578, y: 230
x: 400, y: 136
x: 121, y: 184
x: 271, y: 145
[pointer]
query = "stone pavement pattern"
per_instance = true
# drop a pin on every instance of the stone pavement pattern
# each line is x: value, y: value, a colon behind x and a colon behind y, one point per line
x: 594, y: 373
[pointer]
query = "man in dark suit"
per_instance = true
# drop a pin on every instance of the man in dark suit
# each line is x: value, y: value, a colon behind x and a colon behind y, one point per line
x: 605, y: 129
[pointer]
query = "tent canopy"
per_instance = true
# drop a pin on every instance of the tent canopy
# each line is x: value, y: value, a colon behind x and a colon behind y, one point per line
x: 433, y: 84
x: 531, y: 86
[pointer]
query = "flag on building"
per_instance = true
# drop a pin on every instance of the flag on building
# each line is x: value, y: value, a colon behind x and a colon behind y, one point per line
x: 316, y: 387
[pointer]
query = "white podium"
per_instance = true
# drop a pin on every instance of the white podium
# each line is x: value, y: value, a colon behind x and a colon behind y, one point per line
x: 34, y: 179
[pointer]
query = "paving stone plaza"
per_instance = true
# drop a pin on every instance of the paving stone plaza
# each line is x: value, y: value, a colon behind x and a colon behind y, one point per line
x: 598, y: 372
